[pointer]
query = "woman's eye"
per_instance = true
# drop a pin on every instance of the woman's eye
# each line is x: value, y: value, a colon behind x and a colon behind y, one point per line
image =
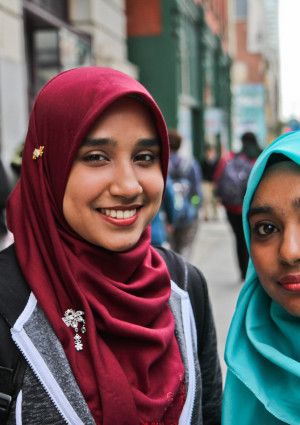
x: 264, y: 229
x: 94, y: 157
x: 146, y: 158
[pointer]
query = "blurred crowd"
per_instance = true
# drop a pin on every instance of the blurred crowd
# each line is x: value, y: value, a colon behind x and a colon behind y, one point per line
x: 195, y: 191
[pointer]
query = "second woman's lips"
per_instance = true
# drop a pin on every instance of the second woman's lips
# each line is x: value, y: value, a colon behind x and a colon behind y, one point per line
x: 291, y: 278
x: 290, y: 283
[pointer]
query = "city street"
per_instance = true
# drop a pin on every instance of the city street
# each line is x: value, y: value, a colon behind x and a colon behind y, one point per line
x: 213, y: 254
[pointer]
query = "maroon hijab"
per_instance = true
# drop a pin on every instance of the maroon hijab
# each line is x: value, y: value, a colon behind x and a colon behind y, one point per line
x: 130, y: 368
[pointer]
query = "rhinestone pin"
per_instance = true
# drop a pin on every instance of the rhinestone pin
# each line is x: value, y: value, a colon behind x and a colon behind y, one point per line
x: 72, y: 319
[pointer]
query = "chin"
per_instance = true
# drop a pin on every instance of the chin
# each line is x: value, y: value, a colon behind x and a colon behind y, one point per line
x: 120, y: 247
x: 293, y: 311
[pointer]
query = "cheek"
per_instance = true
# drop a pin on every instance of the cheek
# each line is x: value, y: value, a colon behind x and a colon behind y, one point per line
x: 83, y: 185
x: 153, y: 185
x: 259, y: 258
x: 264, y: 262
x: 76, y: 193
x: 158, y: 188
x: 69, y: 204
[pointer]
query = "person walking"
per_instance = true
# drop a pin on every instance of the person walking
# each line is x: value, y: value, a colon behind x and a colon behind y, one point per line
x: 187, y: 183
x: 262, y: 349
x: 231, y: 178
x: 162, y: 223
x: 208, y: 168
x: 87, y: 308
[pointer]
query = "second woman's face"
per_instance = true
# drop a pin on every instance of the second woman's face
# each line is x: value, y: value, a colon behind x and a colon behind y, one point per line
x: 115, y: 185
x: 274, y: 219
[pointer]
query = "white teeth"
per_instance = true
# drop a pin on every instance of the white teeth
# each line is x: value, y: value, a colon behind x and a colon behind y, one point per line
x: 118, y: 213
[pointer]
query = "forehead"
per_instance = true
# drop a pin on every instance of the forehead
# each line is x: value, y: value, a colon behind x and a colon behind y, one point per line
x: 124, y: 125
x: 280, y: 169
x: 128, y: 112
x: 280, y: 182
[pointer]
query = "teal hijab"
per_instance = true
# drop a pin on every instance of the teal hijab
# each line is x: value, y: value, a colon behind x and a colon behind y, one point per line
x: 263, y: 344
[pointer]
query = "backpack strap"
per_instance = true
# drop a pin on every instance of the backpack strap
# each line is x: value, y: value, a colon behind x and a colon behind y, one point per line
x: 14, y: 293
x: 190, y: 279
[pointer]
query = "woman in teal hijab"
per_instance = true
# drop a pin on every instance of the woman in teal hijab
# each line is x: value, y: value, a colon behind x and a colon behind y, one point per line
x: 263, y: 345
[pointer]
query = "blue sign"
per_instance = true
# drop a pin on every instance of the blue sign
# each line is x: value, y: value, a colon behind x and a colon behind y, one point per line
x: 249, y: 111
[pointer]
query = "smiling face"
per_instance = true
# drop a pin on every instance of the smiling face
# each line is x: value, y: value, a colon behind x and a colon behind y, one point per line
x: 274, y: 219
x: 115, y: 185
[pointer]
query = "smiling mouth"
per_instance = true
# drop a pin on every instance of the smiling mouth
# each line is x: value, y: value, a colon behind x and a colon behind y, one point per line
x: 118, y: 214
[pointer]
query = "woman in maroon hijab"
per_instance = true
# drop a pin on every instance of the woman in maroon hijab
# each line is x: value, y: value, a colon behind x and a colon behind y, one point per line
x: 106, y: 337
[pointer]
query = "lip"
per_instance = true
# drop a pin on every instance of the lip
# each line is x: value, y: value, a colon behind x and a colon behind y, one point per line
x: 290, y: 282
x: 120, y: 207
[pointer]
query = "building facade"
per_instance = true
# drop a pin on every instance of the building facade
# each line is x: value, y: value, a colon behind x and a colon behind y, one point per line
x: 217, y: 67
x: 13, y: 81
x: 183, y: 63
x: 255, y: 77
x: 38, y: 39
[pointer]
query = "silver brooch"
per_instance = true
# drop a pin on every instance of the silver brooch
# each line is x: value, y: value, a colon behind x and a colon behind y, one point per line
x: 72, y: 319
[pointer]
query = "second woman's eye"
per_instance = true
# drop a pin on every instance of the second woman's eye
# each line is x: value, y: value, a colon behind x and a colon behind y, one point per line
x: 264, y: 229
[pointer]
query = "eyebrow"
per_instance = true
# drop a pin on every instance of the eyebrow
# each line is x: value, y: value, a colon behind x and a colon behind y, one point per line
x: 263, y: 209
x: 145, y: 143
x: 266, y: 209
x: 97, y: 142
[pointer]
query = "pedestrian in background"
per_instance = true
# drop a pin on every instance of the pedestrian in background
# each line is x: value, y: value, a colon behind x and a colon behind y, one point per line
x: 187, y: 183
x: 262, y: 349
x: 208, y: 167
x: 16, y: 161
x: 162, y: 224
x: 89, y: 301
x: 231, y: 178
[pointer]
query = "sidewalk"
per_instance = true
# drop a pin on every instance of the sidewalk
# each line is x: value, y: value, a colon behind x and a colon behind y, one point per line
x: 214, y: 255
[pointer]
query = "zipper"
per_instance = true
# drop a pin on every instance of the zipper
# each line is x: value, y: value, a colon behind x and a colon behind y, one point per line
x: 19, y: 408
x: 189, y: 335
x: 187, y: 324
x: 40, y: 368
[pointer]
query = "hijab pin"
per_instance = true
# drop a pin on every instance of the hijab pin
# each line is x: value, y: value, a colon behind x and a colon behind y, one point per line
x: 72, y: 319
x: 38, y: 152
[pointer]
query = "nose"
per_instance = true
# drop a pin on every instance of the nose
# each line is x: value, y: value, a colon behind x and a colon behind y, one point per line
x: 125, y: 182
x: 289, y: 250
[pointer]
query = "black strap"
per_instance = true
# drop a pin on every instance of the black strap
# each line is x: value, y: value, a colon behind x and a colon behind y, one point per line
x: 189, y: 278
x: 6, y: 385
x: 10, y: 382
x: 12, y: 369
x: 14, y: 293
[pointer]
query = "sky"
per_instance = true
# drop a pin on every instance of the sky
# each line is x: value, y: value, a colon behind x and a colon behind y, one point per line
x: 289, y: 48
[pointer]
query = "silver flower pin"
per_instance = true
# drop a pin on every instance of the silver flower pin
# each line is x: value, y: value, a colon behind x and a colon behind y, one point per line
x: 72, y: 319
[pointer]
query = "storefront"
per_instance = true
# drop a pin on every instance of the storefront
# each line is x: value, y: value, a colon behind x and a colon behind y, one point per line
x: 52, y: 44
